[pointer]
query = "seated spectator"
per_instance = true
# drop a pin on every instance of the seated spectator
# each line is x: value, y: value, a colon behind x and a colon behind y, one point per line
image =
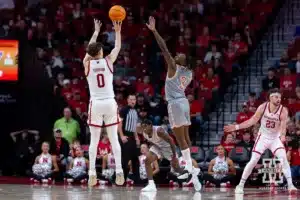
x: 204, y: 39
x: 78, y: 168
x: 240, y: 46
x: 25, y: 150
x: 209, y: 84
x: 77, y: 102
x: 287, y: 82
x: 109, y: 167
x: 297, y: 65
x: 104, y: 146
x: 244, y: 115
x: 293, y: 156
x: 141, y: 102
x: 252, y: 102
x: 270, y: 81
x: 246, y: 141
x: 230, y: 57
x: 70, y: 127
x: 228, y: 143
x: 59, y: 147
x: 143, y: 179
x: 212, y: 54
x: 297, y: 106
x: 45, y: 166
x: 284, y: 60
x: 73, y: 147
x: 221, y: 169
x: 145, y: 87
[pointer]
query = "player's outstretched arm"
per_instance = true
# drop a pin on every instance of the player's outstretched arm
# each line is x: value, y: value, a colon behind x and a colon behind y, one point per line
x: 115, y: 52
x: 162, y: 45
x: 97, y: 25
x: 246, y: 124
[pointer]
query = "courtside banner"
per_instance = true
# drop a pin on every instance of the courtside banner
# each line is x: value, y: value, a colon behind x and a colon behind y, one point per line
x: 9, y: 50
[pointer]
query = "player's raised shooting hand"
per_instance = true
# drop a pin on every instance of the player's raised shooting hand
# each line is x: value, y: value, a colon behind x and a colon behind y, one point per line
x: 117, y: 25
x: 151, y: 23
x: 97, y: 24
x: 229, y: 128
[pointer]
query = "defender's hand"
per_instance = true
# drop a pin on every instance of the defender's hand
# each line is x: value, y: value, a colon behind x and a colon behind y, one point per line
x: 97, y: 24
x: 151, y: 23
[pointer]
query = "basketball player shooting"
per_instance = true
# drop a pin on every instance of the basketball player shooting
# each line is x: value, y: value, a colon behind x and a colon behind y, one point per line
x: 273, y: 119
x: 102, y: 106
x: 179, y: 76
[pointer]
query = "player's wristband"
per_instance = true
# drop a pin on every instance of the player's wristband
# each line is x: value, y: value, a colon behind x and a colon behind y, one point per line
x: 237, y: 127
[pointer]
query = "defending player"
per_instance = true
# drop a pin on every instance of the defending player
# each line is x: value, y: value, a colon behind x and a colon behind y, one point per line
x: 162, y: 147
x: 102, y: 107
x: 178, y: 78
x: 273, y: 118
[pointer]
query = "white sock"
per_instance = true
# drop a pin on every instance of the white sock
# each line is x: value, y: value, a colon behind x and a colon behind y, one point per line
x: 112, y: 133
x: 95, y: 137
x: 186, y: 155
x: 242, y: 182
x: 151, y: 182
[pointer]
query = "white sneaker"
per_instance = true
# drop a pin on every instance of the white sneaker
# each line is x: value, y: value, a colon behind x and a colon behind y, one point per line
x: 292, y: 189
x: 120, y: 178
x: 149, y: 188
x: 239, y: 189
x: 196, y: 182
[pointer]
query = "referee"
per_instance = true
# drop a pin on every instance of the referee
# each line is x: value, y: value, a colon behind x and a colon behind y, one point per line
x: 128, y: 136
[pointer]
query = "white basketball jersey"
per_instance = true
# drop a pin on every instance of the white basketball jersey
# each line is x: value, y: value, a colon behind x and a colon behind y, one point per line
x: 155, y: 139
x: 46, y: 159
x: 100, y: 79
x: 270, y: 122
x: 79, y: 162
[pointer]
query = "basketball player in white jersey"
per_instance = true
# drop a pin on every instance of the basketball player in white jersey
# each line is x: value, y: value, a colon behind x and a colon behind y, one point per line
x: 103, y: 109
x: 162, y: 147
x: 273, y: 118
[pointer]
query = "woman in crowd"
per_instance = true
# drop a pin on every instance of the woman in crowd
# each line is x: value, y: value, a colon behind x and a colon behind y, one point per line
x: 229, y: 142
x: 78, y: 168
x: 45, y: 166
x: 221, y: 169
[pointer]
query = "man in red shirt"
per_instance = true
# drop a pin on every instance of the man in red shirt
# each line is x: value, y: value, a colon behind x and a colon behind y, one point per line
x: 145, y: 87
x: 288, y: 82
x: 209, y: 84
x: 244, y: 115
x: 240, y: 46
x: 252, y: 102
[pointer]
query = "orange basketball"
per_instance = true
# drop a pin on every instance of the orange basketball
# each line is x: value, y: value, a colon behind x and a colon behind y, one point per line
x: 117, y: 13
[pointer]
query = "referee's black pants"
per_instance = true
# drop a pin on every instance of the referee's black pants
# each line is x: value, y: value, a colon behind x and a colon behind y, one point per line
x: 130, y: 152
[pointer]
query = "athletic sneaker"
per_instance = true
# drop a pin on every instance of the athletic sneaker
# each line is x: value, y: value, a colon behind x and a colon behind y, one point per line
x: 196, y: 182
x: 149, y: 188
x: 292, y: 189
x: 92, y: 180
x: 239, y: 189
x: 185, y: 175
x: 120, y: 178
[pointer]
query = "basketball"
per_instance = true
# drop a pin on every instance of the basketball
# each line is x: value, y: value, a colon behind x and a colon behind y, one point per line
x: 117, y: 13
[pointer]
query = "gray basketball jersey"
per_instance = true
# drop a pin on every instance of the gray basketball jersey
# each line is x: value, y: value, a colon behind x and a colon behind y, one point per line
x: 155, y: 139
x: 175, y: 86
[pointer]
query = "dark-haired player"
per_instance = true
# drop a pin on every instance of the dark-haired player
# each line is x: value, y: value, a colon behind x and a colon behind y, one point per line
x: 273, y: 118
x: 162, y: 146
x: 179, y: 76
x: 102, y: 107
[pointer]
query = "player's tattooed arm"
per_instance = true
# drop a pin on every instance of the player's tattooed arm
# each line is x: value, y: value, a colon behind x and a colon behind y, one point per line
x: 248, y: 123
x: 162, y: 134
x: 162, y: 45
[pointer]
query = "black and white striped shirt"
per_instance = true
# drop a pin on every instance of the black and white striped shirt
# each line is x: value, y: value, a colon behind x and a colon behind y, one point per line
x: 129, y: 117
